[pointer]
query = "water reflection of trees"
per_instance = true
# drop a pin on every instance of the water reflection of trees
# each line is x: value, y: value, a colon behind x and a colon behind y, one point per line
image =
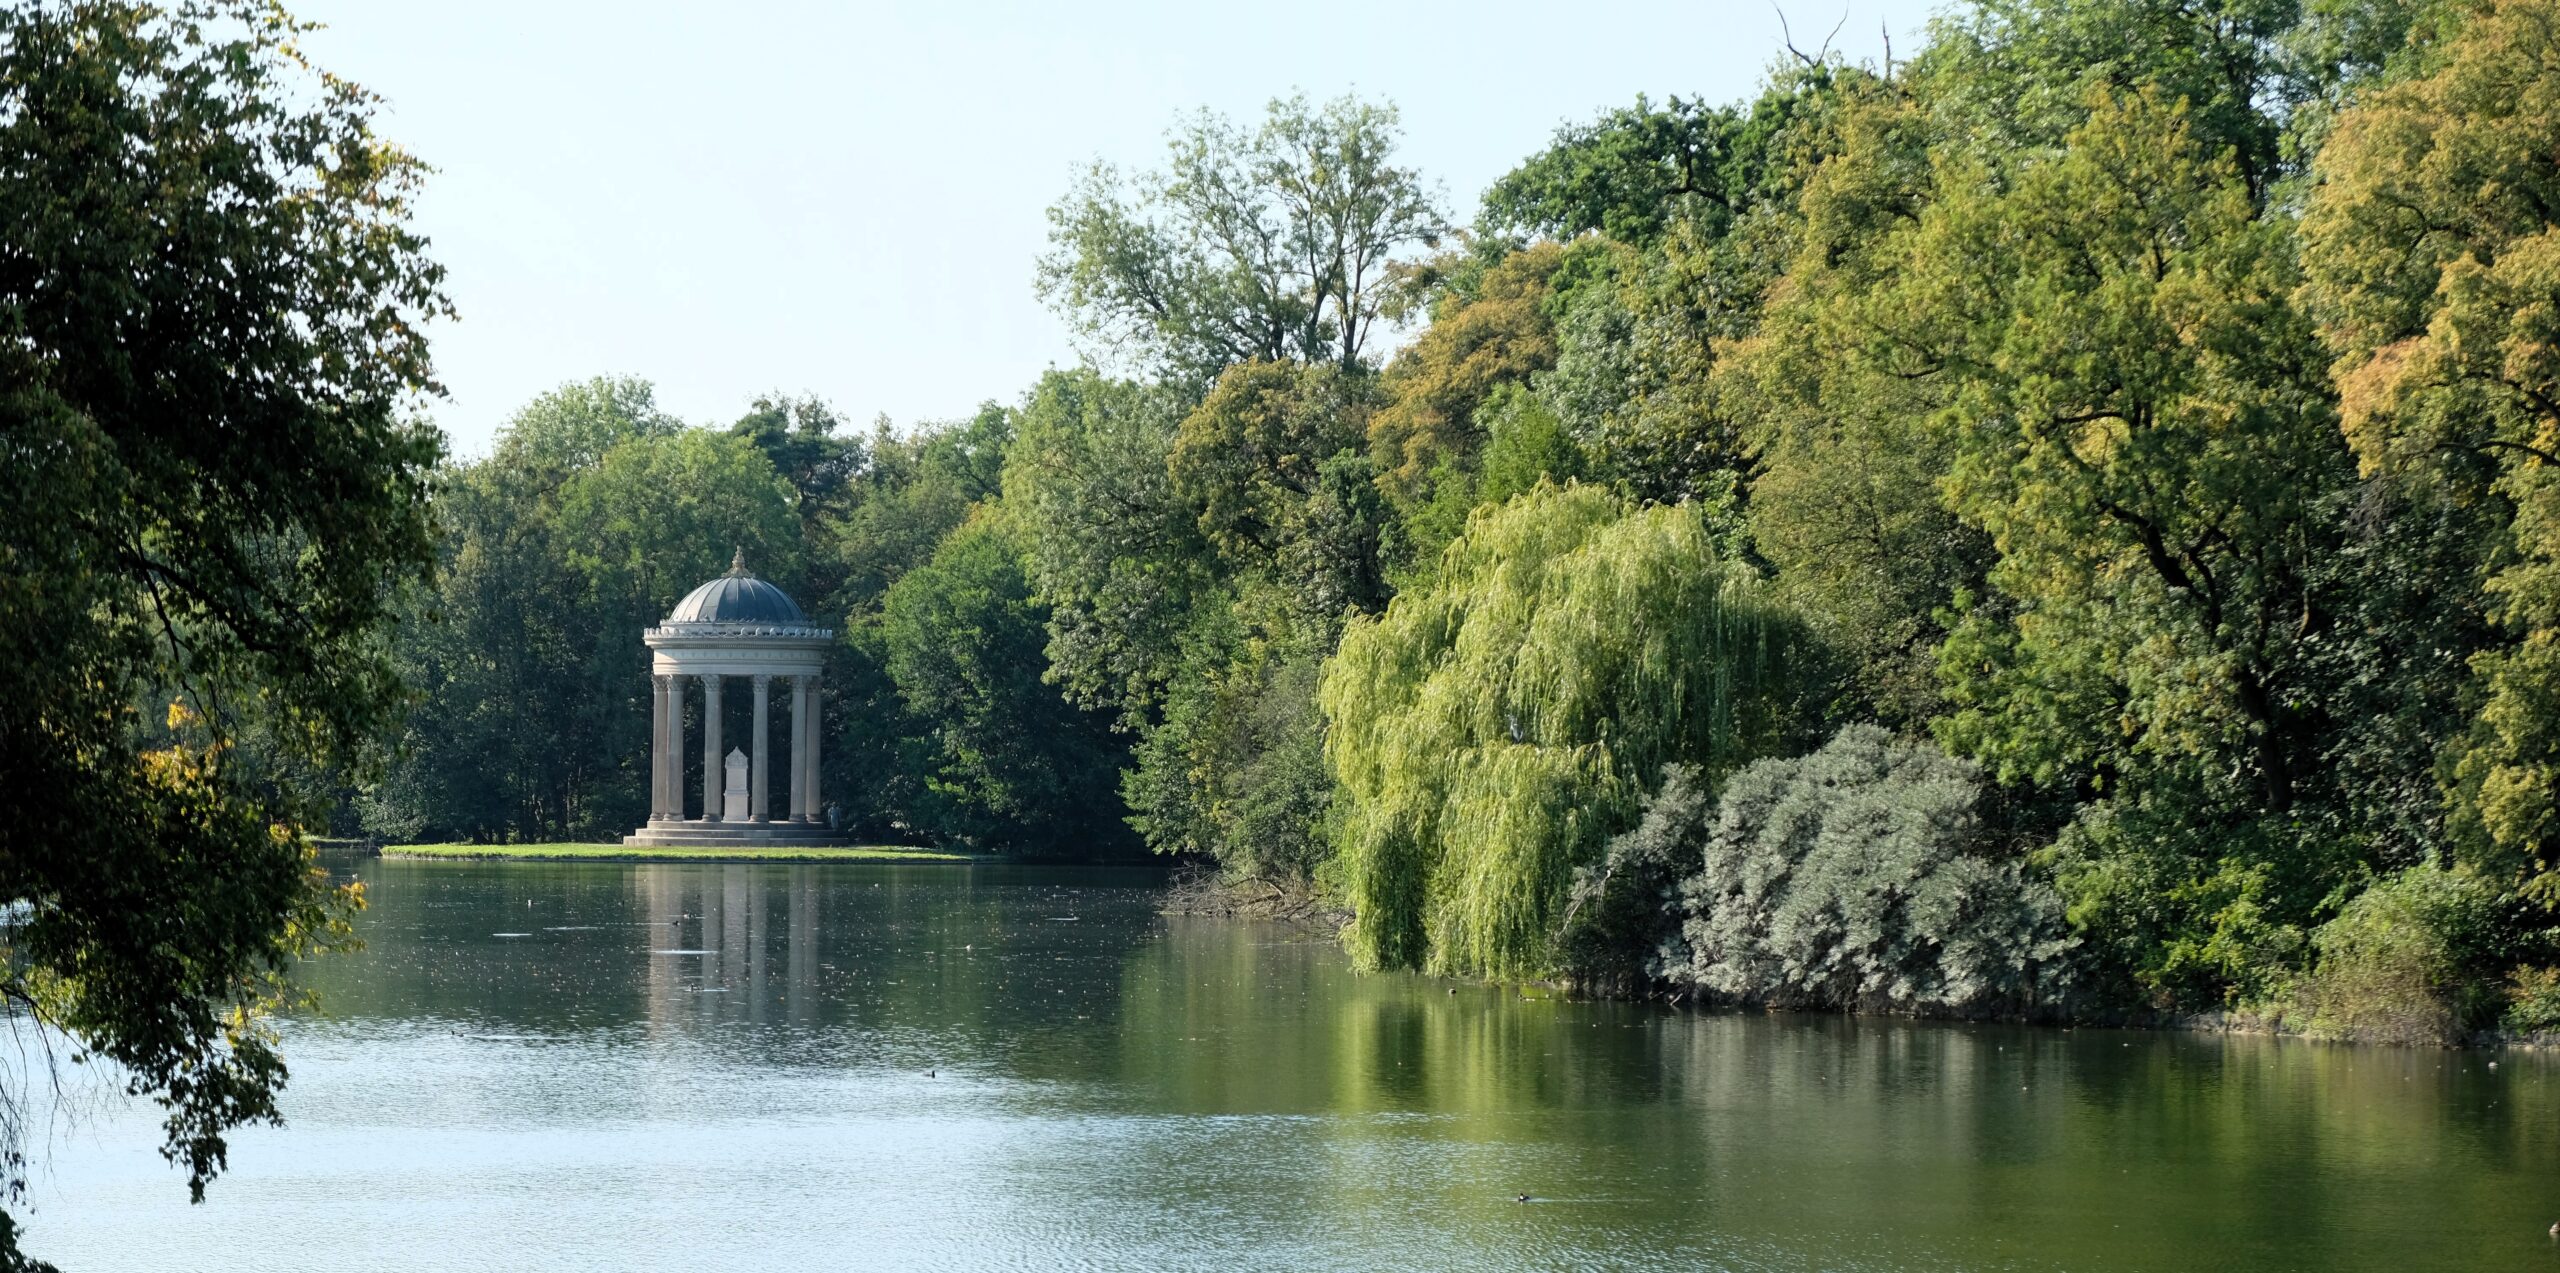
x: 2071, y: 1145
x: 1223, y: 1056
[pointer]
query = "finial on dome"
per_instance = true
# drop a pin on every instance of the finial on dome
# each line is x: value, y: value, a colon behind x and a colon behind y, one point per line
x: 738, y: 561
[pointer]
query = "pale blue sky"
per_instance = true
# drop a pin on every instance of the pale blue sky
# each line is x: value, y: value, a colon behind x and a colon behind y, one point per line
x: 847, y: 200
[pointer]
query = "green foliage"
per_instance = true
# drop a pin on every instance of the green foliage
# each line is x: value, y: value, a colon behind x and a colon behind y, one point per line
x: 2141, y: 435
x: 567, y: 431
x: 802, y: 439
x: 1622, y: 915
x: 2017, y: 76
x: 1525, y: 443
x: 1114, y: 553
x: 2533, y: 1001
x: 1235, y: 769
x: 1269, y: 244
x: 2431, y: 256
x: 1636, y: 171
x: 1013, y: 765
x: 913, y: 491
x: 1490, y: 732
x: 2181, y: 905
x: 1247, y: 456
x: 1496, y: 332
x: 1846, y: 504
x: 213, y: 302
x: 590, y: 518
x: 917, y: 489
x: 1860, y: 877
x: 2411, y: 958
x: 658, y: 515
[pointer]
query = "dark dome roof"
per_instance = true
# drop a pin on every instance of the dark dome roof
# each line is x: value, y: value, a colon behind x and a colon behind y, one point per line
x: 737, y: 597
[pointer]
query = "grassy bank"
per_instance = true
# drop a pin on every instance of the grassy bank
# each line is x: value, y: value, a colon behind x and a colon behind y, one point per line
x: 663, y: 853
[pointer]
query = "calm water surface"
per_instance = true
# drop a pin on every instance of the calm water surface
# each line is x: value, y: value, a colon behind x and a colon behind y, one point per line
x: 699, y: 1067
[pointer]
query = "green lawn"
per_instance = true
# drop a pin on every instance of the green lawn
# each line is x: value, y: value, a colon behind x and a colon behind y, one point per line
x: 663, y: 853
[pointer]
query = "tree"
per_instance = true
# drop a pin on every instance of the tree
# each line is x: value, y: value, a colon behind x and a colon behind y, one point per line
x: 1846, y: 501
x: 1637, y: 171
x: 913, y: 491
x: 916, y: 491
x: 1114, y: 553
x: 2134, y: 420
x: 1498, y: 330
x: 214, y: 304
x: 799, y: 435
x: 1234, y: 771
x: 1272, y: 460
x: 2015, y: 76
x: 1624, y: 175
x: 1492, y: 731
x: 566, y: 431
x: 1272, y: 244
x: 1015, y: 765
x: 2431, y: 257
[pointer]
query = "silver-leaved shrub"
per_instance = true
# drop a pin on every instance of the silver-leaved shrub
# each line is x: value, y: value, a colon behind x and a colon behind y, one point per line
x: 1860, y: 877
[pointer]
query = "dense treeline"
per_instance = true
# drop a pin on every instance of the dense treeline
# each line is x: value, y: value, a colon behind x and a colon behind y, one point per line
x: 2062, y: 523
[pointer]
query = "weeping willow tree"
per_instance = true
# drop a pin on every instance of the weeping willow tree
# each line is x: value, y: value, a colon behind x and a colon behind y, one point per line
x: 1491, y: 731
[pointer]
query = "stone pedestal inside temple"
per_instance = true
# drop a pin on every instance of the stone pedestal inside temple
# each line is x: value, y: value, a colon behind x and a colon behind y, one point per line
x: 733, y: 794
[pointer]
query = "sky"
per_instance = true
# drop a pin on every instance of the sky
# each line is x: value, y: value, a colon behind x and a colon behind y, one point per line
x: 848, y: 201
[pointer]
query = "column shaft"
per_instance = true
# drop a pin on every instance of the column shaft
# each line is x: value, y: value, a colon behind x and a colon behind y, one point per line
x: 799, y: 747
x: 657, y: 748
x: 817, y: 730
x: 757, y: 770
x: 711, y: 766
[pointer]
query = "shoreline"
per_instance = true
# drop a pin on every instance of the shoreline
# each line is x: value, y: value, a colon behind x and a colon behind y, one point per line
x: 572, y: 852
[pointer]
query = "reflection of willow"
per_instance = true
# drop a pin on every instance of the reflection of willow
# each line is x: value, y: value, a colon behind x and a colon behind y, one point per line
x: 1782, y: 1129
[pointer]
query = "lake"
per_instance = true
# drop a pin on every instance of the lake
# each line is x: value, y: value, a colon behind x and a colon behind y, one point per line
x: 623, y: 1067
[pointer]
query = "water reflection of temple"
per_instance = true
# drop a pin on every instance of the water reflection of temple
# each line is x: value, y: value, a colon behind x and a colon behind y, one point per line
x: 733, y: 943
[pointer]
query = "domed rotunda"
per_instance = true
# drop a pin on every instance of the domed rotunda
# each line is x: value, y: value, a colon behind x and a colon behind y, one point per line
x: 735, y: 626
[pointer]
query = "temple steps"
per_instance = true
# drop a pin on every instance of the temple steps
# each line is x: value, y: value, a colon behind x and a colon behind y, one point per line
x: 735, y: 835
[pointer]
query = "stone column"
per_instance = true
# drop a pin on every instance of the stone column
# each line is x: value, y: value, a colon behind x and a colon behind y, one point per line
x: 758, y: 767
x: 799, y: 747
x: 659, y: 752
x: 815, y: 811
x: 711, y: 755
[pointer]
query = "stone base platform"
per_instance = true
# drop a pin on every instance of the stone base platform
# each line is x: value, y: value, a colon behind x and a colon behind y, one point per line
x: 736, y: 835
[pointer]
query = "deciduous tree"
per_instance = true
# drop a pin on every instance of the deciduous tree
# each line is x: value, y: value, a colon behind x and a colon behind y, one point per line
x: 213, y: 304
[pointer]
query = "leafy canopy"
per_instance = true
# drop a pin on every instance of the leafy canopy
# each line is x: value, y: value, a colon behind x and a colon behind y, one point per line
x: 213, y: 304
x: 1491, y: 731
x: 1272, y: 242
x: 2432, y: 255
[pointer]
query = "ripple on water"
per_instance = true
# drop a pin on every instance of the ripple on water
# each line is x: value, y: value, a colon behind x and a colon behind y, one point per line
x: 931, y: 1068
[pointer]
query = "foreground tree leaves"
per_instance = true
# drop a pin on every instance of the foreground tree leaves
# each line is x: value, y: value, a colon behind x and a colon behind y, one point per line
x: 211, y: 302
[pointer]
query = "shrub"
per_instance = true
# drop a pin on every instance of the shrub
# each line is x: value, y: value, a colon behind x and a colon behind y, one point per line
x: 2178, y: 910
x: 2409, y: 960
x: 1623, y: 910
x: 2533, y: 1001
x: 1861, y: 877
